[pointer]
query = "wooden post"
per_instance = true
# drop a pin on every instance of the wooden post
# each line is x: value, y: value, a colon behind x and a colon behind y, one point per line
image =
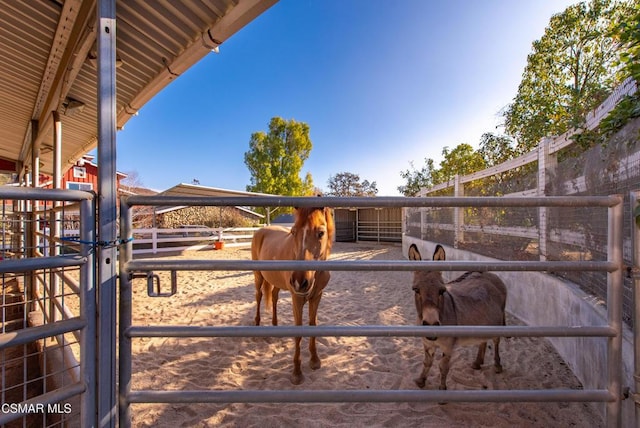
x: 546, y: 162
x: 458, y: 212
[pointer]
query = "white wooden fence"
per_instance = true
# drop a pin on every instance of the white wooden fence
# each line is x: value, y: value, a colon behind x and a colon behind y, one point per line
x: 544, y: 154
x: 157, y: 241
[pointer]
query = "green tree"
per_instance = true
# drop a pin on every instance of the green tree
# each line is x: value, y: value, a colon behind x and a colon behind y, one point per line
x: 496, y: 149
x: 627, y: 32
x: 570, y: 70
x: 462, y: 160
x: 275, y: 159
x: 348, y: 184
x: 418, y: 179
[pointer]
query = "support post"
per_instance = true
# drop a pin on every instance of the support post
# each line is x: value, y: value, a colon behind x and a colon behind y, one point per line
x: 614, y: 315
x: 88, y: 346
x: 106, y: 263
x: 634, y: 200
x: 458, y: 212
x: 54, y: 218
x: 31, y: 238
x: 126, y: 316
x: 378, y: 221
x: 545, y: 162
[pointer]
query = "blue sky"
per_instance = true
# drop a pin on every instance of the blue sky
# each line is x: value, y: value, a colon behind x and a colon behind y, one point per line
x: 381, y: 83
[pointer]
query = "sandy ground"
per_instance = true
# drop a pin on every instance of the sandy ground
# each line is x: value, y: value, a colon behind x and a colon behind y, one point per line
x: 351, y: 298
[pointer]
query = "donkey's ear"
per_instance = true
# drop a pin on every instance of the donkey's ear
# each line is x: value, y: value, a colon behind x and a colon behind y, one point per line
x: 439, y: 254
x: 414, y: 254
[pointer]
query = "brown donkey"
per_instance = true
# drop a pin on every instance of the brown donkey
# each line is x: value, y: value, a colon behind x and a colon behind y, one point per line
x: 475, y: 298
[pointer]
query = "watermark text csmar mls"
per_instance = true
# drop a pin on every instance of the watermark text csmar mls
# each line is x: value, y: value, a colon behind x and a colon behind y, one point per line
x: 26, y: 408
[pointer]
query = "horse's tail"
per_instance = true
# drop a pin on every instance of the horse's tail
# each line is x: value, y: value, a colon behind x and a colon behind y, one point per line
x: 265, y: 287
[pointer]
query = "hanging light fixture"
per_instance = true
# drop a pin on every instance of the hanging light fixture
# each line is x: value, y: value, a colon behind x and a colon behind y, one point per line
x: 72, y: 107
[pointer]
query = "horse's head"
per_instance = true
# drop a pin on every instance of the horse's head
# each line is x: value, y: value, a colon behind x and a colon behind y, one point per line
x: 313, y: 232
x: 429, y: 290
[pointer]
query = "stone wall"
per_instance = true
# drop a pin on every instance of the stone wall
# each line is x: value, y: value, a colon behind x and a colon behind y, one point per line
x: 206, y: 216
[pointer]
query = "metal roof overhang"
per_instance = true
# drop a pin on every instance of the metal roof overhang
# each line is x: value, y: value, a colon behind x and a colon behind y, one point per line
x: 48, y: 54
x: 196, y: 190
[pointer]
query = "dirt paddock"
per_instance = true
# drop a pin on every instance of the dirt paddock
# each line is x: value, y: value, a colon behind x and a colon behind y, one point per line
x: 350, y: 299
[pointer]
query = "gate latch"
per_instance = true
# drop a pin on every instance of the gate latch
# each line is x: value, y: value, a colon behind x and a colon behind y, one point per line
x: 153, y: 284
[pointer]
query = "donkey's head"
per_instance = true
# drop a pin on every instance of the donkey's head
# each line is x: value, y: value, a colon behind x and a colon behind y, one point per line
x: 313, y: 232
x: 429, y: 289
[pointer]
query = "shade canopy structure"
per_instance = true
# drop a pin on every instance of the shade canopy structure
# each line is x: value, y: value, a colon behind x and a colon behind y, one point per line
x: 73, y: 73
x: 49, y: 64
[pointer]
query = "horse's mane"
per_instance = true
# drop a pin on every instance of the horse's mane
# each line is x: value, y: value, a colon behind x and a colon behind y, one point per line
x: 302, y: 216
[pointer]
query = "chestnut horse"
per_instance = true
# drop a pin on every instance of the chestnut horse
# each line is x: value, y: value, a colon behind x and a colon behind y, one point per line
x: 310, y: 238
x: 474, y: 298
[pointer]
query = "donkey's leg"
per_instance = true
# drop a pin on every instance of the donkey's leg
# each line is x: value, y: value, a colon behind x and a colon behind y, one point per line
x: 497, y: 367
x: 274, y: 305
x: 429, y: 352
x: 477, y: 364
x: 298, y: 303
x: 258, y: 281
x: 444, y: 367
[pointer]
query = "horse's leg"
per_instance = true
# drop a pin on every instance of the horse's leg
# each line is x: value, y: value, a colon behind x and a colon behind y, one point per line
x: 429, y: 352
x: 477, y: 364
x: 322, y: 279
x: 314, y: 363
x: 274, y: 305
x: 298, y: 303
x: 258, y: 280
x: 497, y: 367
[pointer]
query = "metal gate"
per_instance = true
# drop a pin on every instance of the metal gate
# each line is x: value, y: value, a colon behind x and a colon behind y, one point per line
x: 129, y: 268
x: 48, y: 322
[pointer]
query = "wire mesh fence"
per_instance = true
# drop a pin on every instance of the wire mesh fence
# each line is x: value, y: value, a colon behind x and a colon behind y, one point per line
x: 40, y: 349
x: 544, y: 233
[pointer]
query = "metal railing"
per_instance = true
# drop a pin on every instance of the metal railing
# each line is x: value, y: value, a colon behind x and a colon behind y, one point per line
x: 44, y: 296
x: 611, y: 395
x: 380, y: 231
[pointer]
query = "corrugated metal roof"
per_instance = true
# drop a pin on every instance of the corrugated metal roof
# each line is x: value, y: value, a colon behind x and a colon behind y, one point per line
x: 48, y: 53
x: 184, y: 189
x: 196, y: 190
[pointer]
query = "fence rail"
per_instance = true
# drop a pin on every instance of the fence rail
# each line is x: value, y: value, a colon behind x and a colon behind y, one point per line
x: 611, y: 395
x: 161, y: 240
